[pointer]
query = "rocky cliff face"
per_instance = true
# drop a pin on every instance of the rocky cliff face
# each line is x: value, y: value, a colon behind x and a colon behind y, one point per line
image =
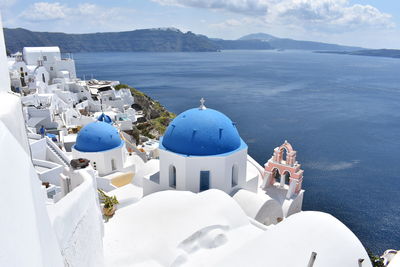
x: 155, y: 116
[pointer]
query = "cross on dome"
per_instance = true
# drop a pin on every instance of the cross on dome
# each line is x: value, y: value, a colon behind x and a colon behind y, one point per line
x: 202, y: 106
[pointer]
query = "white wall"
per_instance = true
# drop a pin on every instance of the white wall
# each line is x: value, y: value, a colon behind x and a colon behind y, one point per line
x: 78, y: 224
x: 295, y: 205
x: 188, y: 170
x: 103, y: 159
x: 66, y: 64
x: 31, y: 55
x: 38, y: 149
x: 11, y: 115
x: 52, y: 172
x: 39, y: 73
x: 27, y: 238
x: 260, y: 207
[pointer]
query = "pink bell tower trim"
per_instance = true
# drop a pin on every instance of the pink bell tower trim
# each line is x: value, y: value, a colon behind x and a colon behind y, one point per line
x: 279, y: 169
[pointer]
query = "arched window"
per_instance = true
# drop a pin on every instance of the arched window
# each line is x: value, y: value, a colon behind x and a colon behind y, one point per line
x: 172, y: 176
x: 235, y: 174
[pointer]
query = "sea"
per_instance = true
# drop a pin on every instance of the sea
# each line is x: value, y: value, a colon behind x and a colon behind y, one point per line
x: 340, y: 112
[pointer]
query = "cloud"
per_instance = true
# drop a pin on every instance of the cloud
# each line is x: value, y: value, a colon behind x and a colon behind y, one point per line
x: 250, y: 7
x: 333, y: 166
x: 329, y: 15
x: 101, y: 15
x: 335, y: 15
x: 6, y: 3
x: 232, y: 23
x: 44, y: 11
x: 84, y: 16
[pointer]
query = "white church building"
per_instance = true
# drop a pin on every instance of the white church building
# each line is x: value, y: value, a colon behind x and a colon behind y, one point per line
x: 100, y: 142
x: 202, y: 149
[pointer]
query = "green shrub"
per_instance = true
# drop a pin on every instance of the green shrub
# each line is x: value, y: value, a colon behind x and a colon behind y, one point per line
x: 375, y: 260
x: 109, y: 202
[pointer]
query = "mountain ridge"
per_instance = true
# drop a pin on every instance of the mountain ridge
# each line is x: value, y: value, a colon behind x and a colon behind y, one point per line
x: 146, y: 40
x: 288, y: 43
x: 156, y: 40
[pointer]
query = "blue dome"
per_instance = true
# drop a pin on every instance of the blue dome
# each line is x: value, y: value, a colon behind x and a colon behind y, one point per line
x: 96, y: 137
x: 105, y: 118
x: 201, y: 132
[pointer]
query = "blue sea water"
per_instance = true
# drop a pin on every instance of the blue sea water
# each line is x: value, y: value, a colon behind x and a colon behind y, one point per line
x: 340, y: 112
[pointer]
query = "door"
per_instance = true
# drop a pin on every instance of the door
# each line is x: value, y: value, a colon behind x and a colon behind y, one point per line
x: 204, y: 180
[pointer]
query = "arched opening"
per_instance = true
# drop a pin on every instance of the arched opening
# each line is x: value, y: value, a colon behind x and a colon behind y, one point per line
x: 204, y: 180
x: 285, y: 178
x: 284, y: 152
x: 276, y: 175
x: 172, y: 176
x: 235, y: 175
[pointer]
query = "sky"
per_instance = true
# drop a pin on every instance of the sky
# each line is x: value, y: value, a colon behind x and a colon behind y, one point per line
x: 365, y: 23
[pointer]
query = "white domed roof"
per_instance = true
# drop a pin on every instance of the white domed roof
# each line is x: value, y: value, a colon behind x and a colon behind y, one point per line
x: 291, y: 242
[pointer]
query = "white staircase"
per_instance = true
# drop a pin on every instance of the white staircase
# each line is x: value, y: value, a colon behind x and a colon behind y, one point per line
x: 58, y: 153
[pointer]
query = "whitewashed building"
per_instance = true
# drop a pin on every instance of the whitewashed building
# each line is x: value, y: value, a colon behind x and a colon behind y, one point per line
x: 50, y: 58
x: 214, y: 208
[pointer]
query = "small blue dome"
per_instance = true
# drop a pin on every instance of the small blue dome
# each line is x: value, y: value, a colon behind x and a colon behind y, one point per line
x: 96, y: 137
x: 105, y: 118
x: 201, y: 132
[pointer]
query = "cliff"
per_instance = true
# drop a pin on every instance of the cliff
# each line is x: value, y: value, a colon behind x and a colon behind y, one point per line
x: 155, y: 116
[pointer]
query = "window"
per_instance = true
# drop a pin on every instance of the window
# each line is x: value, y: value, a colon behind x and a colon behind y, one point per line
x: 204, y: 180
x: 235, y: 174
x: 43, y: 78
x: 44, y: 58
x: 172, y: 176
x: 21, y: 69
x: 51, y: 68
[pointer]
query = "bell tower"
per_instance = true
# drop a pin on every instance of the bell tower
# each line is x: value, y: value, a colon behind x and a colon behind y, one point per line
x: 283, y: 169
